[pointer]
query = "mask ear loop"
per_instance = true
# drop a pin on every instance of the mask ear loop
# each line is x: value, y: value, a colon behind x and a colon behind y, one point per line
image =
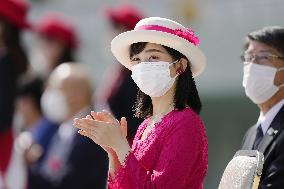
x: 177, y: 70
x: 174, y: 62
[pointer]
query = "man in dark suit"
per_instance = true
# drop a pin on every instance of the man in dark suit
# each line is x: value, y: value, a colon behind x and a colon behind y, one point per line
x: 263, y: 81
x: 71, y: 161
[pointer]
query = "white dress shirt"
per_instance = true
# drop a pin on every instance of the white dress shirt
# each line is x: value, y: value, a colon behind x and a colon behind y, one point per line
x: 266, y: 119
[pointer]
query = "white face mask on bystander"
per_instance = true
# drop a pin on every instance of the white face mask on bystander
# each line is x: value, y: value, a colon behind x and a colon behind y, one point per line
x: 258, y: 81
x: 153, y: 78
x: 54, y: 105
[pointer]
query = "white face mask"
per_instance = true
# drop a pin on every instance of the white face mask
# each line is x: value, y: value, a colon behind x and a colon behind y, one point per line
x: 153, y: 78
x: 258, y: 81
x: 54, y: 105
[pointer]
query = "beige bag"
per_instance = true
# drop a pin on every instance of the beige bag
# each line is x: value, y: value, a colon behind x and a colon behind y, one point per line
x: 243, y: 171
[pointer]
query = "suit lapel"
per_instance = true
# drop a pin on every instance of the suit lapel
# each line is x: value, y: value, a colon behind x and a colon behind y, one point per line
x: 249, y: 138
x: 273, y: 131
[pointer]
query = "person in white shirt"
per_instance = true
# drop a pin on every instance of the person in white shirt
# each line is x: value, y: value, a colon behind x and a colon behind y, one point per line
x: 263, y: 80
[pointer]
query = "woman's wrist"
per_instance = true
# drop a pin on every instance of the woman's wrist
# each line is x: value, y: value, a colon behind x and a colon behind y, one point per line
x: 122, y: 149
x: 114, y: 163
x: 110, y: 152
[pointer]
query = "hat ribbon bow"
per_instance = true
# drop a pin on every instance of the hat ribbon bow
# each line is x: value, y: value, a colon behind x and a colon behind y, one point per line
x: 187, y: 33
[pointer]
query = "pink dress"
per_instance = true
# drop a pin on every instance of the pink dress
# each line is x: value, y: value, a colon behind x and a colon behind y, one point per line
x: 174, y: 155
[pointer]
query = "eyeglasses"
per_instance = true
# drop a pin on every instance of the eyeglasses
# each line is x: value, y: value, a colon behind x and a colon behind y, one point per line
x: 260, y: 58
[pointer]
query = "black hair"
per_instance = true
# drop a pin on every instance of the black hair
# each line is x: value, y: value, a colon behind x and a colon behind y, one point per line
x: 272, y: 36
x: 33, y: 88
x: 186, y: 94
x: 12, y: 41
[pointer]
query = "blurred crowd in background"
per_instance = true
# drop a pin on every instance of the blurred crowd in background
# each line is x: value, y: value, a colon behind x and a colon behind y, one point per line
x: 44, y: 85
x: 41, y: 94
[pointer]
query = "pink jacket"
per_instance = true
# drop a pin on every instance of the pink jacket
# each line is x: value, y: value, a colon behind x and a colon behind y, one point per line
x: 174, y: 155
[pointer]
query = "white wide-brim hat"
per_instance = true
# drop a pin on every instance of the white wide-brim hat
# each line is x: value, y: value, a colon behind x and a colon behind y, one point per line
x: 164, y: 32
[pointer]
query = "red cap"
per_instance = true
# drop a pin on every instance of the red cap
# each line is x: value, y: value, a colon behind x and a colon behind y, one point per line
x: 57, y: 26
x: 125, y: 15
x: 15, y: 12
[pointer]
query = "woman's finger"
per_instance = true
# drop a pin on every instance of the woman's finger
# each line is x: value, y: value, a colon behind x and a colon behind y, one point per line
x: 99, y: 116
x: 86, y: 128
x: 86, y: 134
x: 85, y: 124
x: 109, y: 116
x: 92, y: 137
x: 104, y: 116
x: 90, y: 122
x: 91, y: 125
x: 123, y: 126
x: 94, y: 115
x: 90, y: 117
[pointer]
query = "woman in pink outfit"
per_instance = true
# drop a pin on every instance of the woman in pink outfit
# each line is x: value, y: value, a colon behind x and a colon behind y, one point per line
x: 170, y: 147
